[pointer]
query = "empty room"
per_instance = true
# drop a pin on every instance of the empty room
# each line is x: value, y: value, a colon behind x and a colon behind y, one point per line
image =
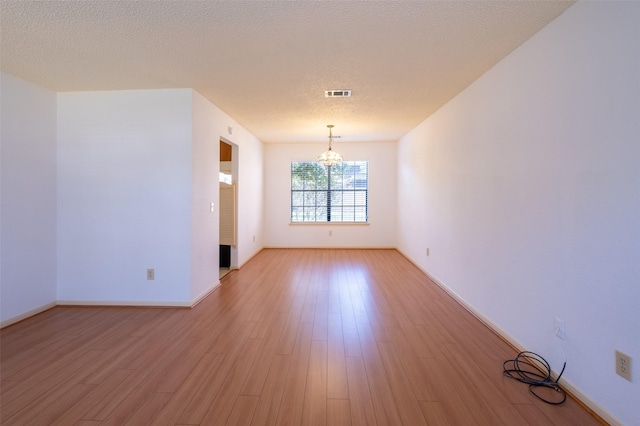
x: 319, y: 212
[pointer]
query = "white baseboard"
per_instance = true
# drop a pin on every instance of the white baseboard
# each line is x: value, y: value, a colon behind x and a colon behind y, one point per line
x: 248, y: 259
x: 27, y: 314
x: 567, y: 385
x: 129, y: 303
x: 97, y: 303
x: 333, y: 247
x: 204, y: 294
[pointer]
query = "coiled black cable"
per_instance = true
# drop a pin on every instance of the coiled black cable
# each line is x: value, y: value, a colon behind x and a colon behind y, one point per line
x: 531, y: 368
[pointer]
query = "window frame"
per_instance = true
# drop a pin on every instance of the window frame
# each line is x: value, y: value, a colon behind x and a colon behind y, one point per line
x: 338, y: 197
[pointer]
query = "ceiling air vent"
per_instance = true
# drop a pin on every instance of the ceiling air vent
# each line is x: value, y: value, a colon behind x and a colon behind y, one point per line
x: 337, y: 93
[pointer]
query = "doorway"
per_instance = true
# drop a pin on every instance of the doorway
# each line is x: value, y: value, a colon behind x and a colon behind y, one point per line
x: 228, y: 206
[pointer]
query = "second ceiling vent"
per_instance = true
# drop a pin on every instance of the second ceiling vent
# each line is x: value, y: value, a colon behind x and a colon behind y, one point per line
x: 337, y: 93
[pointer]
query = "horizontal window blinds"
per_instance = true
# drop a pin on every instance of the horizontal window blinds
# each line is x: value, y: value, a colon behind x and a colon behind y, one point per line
x: 329, y: 194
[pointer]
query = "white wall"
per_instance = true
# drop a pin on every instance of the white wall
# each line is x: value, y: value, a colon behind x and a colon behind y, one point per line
x: 210, y: 124
x: 526, y: 188
x: 204, y: 191
x: 381, y: 231
x: 127, y: 188
x: 251, y: 192
x: 28, y: 198
x: 124, y: 196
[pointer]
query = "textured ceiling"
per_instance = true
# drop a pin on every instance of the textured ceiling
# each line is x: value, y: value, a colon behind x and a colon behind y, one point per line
x: 267, y: 64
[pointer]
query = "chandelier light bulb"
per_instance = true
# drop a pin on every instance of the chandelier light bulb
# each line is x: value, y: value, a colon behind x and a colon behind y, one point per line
x: 330, y: 157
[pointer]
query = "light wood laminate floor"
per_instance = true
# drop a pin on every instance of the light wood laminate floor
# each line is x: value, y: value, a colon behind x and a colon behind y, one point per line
x: 297, y: 336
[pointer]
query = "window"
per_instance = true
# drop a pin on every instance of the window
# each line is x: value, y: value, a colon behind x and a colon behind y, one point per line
x: 329, y: 194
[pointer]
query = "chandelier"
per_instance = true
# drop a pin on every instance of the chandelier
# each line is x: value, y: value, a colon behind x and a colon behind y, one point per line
x: 330, y: 157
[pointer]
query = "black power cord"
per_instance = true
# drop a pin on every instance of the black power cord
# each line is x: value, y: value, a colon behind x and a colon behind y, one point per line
x: 532, y: 369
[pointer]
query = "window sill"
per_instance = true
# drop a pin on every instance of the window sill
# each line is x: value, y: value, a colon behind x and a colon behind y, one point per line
x: 329, y: 223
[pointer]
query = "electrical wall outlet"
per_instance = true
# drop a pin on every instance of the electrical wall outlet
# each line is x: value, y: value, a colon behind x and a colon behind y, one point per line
x: 151, y: 274
x: 427, y: 251
x: 623, y: 365
x: 558, y: 328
